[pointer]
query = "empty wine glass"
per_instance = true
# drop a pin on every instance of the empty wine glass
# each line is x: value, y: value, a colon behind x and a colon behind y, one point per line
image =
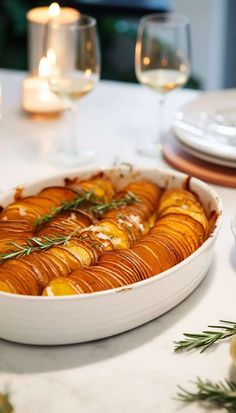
x: 73, y: 75
x: 162, y: 62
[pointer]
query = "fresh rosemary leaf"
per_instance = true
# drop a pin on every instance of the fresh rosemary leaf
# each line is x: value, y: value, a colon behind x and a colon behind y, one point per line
x: 35, y: 244
x: 219, y: 394
x: 95, y: 206
x: 100, y: 209
x: 65, y: 206
x: 42, y: 243
x: 206, y: 338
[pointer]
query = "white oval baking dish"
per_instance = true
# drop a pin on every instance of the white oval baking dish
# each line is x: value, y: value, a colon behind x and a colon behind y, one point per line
x: 75, y: 319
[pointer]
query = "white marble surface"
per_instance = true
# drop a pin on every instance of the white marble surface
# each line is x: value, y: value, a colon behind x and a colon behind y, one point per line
x: 136, y: 371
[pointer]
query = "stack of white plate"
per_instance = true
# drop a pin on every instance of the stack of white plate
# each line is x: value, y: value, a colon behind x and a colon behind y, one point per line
x: 206, y: 127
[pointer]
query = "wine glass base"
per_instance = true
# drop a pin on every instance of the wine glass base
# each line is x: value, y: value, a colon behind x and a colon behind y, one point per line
x: 69, y: 160
x: 151, y: 149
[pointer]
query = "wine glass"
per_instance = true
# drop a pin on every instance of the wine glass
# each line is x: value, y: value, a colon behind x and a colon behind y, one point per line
x: 73, y: 75
x: 162, y: 62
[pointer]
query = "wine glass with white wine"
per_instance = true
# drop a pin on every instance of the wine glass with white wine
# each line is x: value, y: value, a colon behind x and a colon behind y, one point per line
x: 73, y: 76
x: 162, y: 63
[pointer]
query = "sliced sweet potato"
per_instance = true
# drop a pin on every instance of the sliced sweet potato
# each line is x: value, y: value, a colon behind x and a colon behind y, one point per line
x: 61, y: 286
x: 71, y: 260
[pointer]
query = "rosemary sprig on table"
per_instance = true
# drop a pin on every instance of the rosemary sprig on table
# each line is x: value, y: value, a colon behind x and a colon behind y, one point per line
x: 221, y: 394
x: 35, y: 244
x: 207, y: 338
x: 95, y: 205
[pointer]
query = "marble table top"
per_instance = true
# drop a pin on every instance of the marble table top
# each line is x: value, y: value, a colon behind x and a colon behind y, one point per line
x: 137, y: 371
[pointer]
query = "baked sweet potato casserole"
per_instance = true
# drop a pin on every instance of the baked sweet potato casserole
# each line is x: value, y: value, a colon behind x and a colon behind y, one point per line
x: 87, y: 236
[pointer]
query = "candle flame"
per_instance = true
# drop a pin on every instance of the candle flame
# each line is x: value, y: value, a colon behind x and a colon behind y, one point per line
x: 54, y: 10
x: 48, y: 66
x: 44, y: 67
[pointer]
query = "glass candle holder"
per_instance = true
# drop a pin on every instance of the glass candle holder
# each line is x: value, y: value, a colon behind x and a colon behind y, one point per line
x: 37, y: 99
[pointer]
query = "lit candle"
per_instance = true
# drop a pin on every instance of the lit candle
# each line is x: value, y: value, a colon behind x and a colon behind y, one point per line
x: 64, y: 15
x: 39, y: 20
x: 46, y: 54
x: 37, y: 99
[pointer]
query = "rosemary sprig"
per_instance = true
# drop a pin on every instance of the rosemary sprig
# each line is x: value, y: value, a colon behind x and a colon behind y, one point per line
x: 42, y: 243
x: 207, y: 338
x: 35, y: 244
x: 100, y: 209
x: 96, y: 206
x: 219, y: 394
x: 65, y: 206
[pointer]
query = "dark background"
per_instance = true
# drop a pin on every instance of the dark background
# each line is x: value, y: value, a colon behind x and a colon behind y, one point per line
x: 117, y: 26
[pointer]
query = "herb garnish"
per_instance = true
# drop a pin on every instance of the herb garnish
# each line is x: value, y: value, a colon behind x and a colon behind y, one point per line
x: 95, y: 205
x: 35, y: 244
x: 100, y: 209
x: 221, y: 394
x: 207, y: 338
x: 65, y: 206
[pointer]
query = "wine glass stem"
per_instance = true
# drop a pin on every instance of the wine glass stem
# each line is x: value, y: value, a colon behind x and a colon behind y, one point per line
x: 161, y: 119
x: 72, y: 112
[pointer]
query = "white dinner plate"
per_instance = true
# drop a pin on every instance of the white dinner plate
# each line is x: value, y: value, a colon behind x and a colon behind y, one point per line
x: 204, y: 156
x: 79, y: 318
x: 213, y: 104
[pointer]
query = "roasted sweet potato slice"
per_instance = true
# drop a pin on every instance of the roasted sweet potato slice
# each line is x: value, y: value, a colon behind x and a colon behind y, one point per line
x: 120, y: 268
x: 18, y: 283
x: 142, y: 268
x: 118, y: 236
x: 102, y: 188
x: 61, y: 286
x: 57, y: 266
x: 92, y: 279
x: 14, y: 282
x: 81, y: 251
x: 71, y: 260
x: 58, y: 194
x: 178, y: 232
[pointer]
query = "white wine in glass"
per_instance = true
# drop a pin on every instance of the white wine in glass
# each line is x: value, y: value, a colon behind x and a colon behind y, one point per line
x: 72, y: 88
x: 73, y: 76
x: 162, y: 62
